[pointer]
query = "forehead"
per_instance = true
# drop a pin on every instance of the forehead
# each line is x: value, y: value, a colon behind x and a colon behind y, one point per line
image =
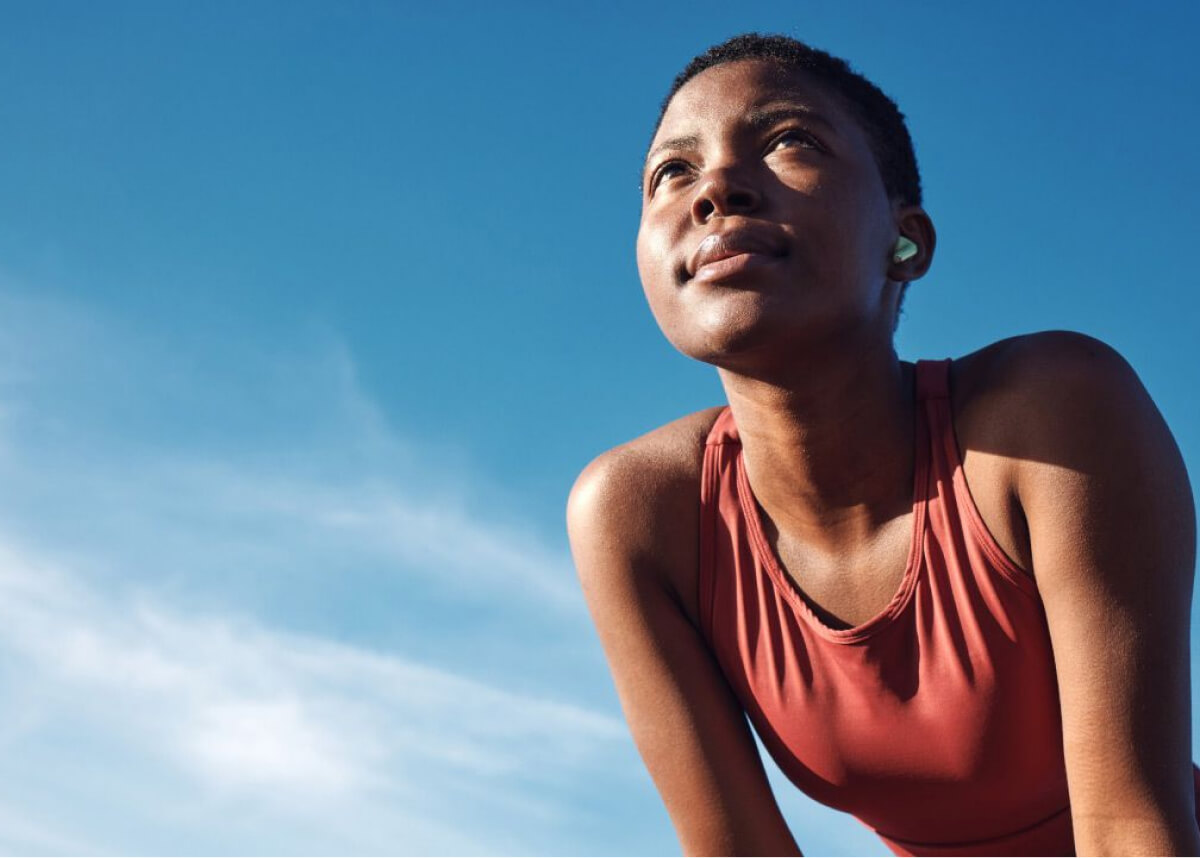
x: 726, y: 93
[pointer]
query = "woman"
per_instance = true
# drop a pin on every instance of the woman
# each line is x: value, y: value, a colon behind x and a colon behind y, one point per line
x: 999, y: 669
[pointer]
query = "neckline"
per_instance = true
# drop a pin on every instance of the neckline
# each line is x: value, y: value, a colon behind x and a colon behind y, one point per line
x: 784, y: 583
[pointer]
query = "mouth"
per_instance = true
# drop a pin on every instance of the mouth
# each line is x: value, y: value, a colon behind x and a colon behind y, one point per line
x: 722, y: 269
x: 724, y: 254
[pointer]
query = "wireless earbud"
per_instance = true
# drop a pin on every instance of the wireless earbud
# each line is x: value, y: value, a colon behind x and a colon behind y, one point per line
x: 905, y: 249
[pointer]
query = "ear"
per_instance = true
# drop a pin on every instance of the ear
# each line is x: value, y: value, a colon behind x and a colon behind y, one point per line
x: 913, y: 223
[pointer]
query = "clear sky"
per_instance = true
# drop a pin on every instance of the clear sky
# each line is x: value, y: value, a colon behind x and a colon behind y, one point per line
x: 310, y: 313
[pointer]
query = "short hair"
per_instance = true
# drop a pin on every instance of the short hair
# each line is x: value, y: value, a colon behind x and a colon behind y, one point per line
x: 878, y: 115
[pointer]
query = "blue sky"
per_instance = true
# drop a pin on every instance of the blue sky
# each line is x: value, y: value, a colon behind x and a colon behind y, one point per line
x: 311, y: 312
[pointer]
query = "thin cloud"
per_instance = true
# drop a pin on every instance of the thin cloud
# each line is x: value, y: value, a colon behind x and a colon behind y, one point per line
x: 286, y: 720
x: 240, y: 458
x: 145, y: 623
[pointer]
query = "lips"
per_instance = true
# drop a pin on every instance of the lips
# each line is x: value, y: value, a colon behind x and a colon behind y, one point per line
x: 727, y: 247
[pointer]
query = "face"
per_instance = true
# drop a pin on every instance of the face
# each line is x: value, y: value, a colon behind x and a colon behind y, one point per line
x: 765, y: 224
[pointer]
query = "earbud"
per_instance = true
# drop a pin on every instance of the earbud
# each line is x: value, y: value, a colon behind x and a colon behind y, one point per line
x: 905, y: 249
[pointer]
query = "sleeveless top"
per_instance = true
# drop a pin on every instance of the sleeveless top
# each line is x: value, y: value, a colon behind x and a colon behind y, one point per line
x: 937, y: 721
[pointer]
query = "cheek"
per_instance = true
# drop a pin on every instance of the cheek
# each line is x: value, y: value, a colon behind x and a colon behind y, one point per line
x: 655, y: 269
x: 662, y: 292
x: 866, y: 221
x: 653, y: 253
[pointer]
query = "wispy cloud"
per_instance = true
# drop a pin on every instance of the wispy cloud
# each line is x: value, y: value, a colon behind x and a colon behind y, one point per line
x: 209, y: 448
x: 189, y: 661
x: 288, y: 723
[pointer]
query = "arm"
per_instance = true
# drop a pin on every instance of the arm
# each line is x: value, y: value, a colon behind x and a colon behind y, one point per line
x: 1112, y: 534
x: 633, y: 528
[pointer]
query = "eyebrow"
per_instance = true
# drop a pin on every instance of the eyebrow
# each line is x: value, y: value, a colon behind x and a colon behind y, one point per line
x: 757, y: 119
x: 761, y: 118
x: 687, y: 141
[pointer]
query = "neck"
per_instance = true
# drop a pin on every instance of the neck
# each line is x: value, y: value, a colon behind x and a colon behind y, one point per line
x: 829, y: 450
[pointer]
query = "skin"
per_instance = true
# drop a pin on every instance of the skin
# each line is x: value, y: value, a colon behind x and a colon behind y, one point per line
x: 1070, y: 465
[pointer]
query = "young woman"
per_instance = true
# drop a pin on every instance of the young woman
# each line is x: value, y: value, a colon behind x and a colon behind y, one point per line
x: 953, y: 598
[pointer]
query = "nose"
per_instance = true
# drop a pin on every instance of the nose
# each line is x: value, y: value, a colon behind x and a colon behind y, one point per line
x: 721, y: 193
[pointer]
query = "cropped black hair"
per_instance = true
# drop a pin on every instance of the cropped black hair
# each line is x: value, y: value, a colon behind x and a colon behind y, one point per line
x: 878, y: 114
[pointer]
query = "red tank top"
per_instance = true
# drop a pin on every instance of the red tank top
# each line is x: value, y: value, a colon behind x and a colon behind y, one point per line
x: 936, y: 722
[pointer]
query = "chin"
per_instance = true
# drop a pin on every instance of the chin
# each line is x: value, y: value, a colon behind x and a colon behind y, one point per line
x: 734, y: 343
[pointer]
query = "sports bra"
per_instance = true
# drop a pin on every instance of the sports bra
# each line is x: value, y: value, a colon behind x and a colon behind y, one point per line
x: 936, y: 722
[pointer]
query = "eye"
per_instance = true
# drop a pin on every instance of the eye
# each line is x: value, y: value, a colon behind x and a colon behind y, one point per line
x: 667, y: 170
x: 795, y: 138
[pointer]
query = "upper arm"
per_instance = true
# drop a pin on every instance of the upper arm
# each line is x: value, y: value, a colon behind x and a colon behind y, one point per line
x: 1112, y: 535
x: 629, y: 522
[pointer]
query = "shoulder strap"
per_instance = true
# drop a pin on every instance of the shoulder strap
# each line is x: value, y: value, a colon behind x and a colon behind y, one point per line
x: 933, y: 392
x: 723, y: 429
x: 933, y: 379
x: 717, y: 497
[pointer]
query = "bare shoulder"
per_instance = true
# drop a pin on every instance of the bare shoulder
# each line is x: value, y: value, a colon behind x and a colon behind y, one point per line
x: 640, y: 501
x: 1032, y: 408
x: 1029, y: 363
x: 1022, y: 393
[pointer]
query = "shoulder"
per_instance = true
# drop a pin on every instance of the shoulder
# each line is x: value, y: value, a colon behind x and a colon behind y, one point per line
x: 1036, y: 366
x: 639, y: 504
x: 1052, y: 391
x: 1065, y: 435
x: 1030, y: 410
